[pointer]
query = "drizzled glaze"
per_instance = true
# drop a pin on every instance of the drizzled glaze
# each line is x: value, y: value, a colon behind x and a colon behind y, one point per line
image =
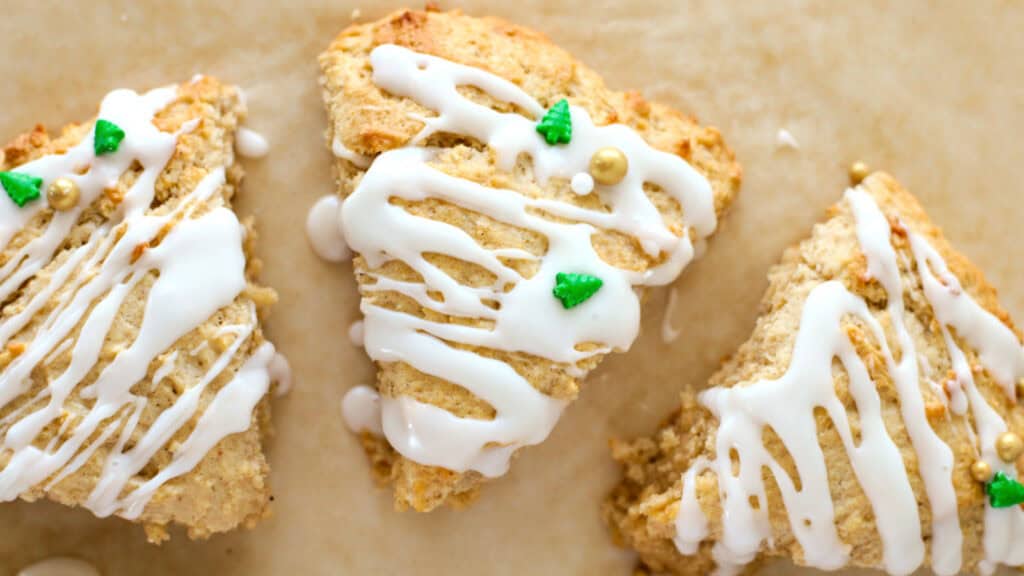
x: 787, y: 406
x: 202, y: 246
x: 528, y: 318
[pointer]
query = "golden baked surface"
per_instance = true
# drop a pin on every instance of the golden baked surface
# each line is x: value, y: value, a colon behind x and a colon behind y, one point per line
x: 367, y: 121
x: 642, y: 510
x: 228, y: 487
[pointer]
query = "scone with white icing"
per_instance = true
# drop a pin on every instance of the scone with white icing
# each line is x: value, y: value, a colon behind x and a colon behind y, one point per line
x: 133, y: 370
x: 871, y: 420
x: 507, y: 210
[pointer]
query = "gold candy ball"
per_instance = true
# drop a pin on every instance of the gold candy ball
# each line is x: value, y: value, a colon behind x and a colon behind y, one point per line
x: 981, y: 471
x: 62, y: 194
x: 608, y: 166
x: 1009, y: 446
x: 858, y: 172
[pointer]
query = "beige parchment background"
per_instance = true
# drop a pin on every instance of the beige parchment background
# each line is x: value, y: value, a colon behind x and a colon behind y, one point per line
x: 931, y: 91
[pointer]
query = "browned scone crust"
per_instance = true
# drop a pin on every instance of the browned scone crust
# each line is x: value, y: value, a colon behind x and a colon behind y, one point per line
x: 641, y: 511
x: 228, y: 488
x: 368, y: 121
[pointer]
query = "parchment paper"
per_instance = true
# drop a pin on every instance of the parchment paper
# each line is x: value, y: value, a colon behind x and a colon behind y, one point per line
x: 931, y: 91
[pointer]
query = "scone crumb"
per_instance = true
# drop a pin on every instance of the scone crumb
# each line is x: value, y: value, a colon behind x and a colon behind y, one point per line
x: 156, y: 533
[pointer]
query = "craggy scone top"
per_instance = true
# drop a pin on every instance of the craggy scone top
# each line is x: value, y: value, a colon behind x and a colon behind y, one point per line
x: 871, y: 419
x: 432, y: 119
x: 133, y: 370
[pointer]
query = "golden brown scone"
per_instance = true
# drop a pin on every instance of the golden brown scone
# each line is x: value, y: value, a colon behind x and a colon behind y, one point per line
x: 227, y: 487
x: 642, y: 511
x: 367, y: 121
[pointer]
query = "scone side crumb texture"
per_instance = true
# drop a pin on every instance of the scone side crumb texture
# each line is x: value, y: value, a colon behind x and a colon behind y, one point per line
x: 228, y: 487
x: 364, y: 121
x: 641, y: 511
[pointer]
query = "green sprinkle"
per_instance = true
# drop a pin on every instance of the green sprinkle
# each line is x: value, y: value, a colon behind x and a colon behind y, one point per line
x: 108, y: 137
x: 1004, y: 491
x: 22, y: 188
x: 575, y: 289
x: 556, y: 125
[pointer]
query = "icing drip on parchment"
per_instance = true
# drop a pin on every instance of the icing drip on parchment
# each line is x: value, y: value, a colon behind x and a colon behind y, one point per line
x: 196, y: 251
x: 669, y: 333
x: 251, y: 144
x: 527, y: 318
x: 60, y: 566
x: 787, y: 406
x: 323, y: 228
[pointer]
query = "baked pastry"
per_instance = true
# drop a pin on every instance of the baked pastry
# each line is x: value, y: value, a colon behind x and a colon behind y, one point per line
x: 871, y: 420
x: 133, y: 371
x: 505, y: 208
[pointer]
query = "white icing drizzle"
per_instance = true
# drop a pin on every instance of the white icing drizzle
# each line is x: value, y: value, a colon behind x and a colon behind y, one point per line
x: 360, y: 409
x: 166, y: 367
x: 199, y: 349
x: 92, y: 283
x: 340, y: 151
x: 251, y: 144
x: 60, y: 566
x: 281, y: 373
x: 528, y: 319
x: 355, y: 333
x: 323, y: 228
x: 669, y: 333
x: 787, y: 406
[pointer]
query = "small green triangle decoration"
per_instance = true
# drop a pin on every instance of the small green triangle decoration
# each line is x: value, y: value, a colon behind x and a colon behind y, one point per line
x: 575, y: 289
x: 107, y: 138
x: 1004, y: 491
x: 22, y: 188
x: 556, y: 125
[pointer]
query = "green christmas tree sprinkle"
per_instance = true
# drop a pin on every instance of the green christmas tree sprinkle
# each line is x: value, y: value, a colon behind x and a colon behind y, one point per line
x: 1004, y: 491
x: 574, y: 289
x: 22, y: 188
x: 108, y: 137
x: 556, y: 125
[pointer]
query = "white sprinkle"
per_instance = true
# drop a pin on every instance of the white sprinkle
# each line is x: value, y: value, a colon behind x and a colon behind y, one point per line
x: 124, y: 17
x: 582, y: 184
x: 355, y: 333
x: 361, y: 410
x: 251, y: 144
x: 356, y: 13
x: 785, y: 139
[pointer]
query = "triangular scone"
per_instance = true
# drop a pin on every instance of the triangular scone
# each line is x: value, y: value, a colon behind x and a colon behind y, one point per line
x: 480, y: 229
x: 862, y: 423
x: 133, y: 371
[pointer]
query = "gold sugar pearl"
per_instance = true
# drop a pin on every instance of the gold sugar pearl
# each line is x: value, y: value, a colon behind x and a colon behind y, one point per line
x: 1009, y: 446
x: 608, y: 166
x: 858, y: 172
x: 981, y: 471
x: 62, y: 194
